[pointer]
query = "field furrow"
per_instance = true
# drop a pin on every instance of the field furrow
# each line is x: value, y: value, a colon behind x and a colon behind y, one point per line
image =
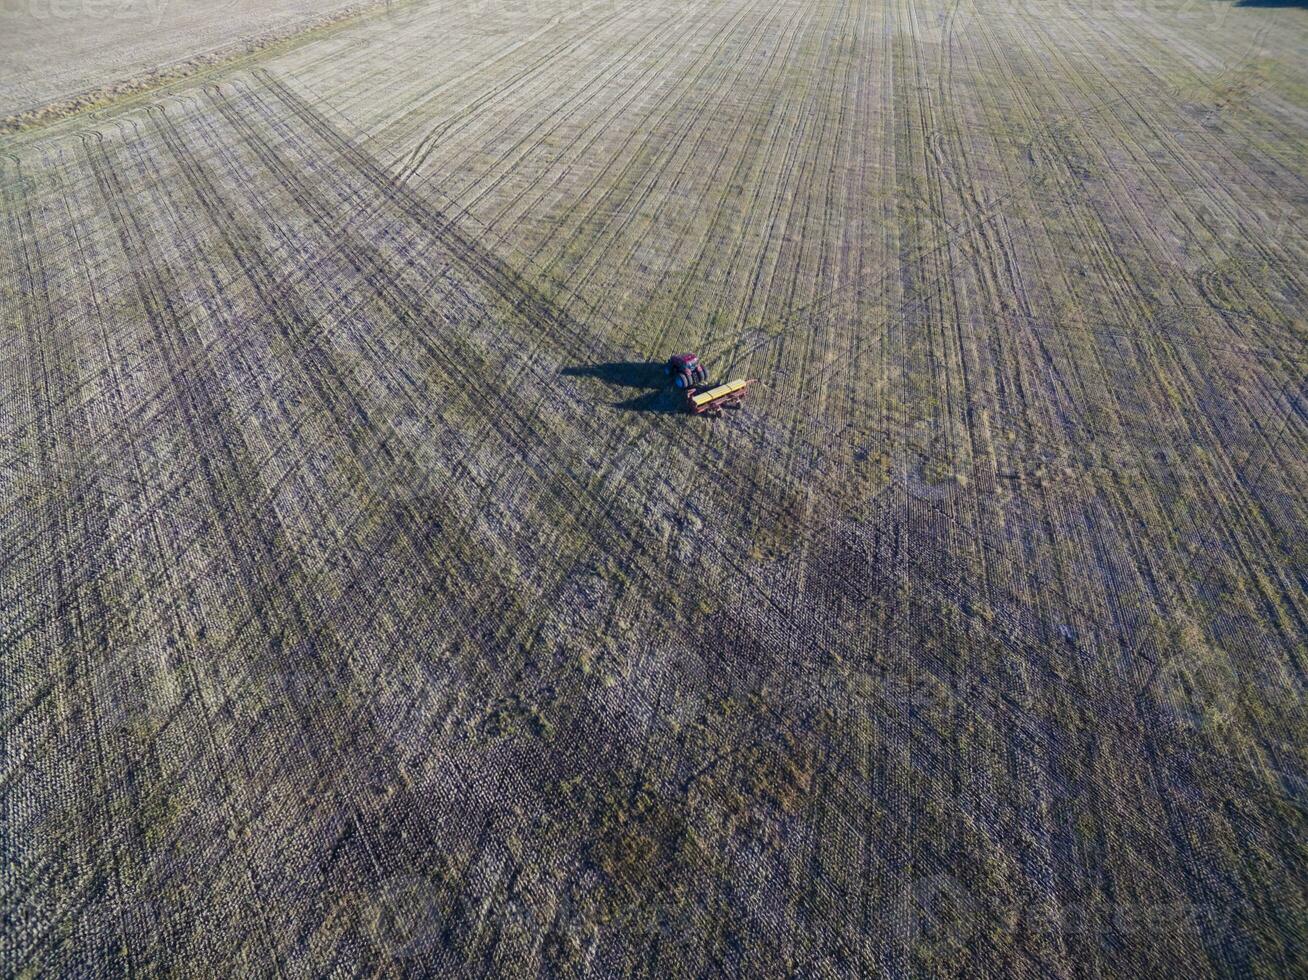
x: 373, y: 608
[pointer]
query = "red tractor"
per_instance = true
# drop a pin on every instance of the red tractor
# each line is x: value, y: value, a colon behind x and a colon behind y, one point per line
x: 686, y: 371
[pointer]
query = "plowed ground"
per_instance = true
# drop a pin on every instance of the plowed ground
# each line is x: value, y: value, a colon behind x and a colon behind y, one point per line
x: 369, y: 609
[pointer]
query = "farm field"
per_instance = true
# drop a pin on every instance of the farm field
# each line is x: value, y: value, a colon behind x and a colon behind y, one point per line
x: 370, y: 609
x: 96, y: 49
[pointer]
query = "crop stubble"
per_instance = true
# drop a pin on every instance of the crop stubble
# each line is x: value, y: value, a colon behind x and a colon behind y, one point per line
x: 351, y: 628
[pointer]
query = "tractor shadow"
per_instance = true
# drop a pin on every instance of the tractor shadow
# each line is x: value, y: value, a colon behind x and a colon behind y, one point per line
x: 628, y: 374
x: 661, y: 398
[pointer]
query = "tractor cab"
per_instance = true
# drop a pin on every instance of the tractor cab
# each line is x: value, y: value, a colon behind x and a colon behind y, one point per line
x: 686, y: 371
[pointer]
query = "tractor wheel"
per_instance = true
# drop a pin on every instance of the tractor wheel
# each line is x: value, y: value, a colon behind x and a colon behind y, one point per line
x: 683, y: 379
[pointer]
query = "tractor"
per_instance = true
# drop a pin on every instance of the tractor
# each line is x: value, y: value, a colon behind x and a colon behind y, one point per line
x: 701, y: 398
x: 685, y: 371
